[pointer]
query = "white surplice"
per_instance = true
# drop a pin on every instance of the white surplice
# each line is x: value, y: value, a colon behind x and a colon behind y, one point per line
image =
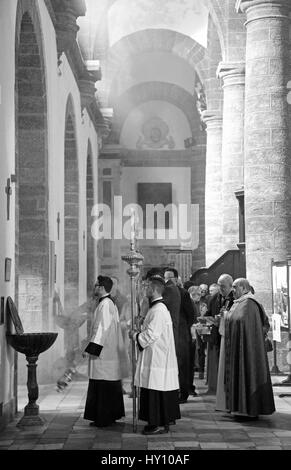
x: 157, y: 367
x: 112, y: 363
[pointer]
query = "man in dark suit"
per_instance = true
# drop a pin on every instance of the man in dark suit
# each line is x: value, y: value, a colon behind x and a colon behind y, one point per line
x: 221, y: 300
x: 184, y: 335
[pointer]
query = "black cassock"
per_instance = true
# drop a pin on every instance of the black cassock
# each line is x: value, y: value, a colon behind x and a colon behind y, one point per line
x: 186, y: 319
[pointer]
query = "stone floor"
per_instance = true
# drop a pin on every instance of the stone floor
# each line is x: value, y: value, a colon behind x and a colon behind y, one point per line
x: 200, y: 426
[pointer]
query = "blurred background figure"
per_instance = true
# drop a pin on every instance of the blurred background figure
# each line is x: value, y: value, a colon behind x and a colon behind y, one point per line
x: 184, y: 343
x: 213, y: 289
x: 204, y: 293
x: 195, y: 294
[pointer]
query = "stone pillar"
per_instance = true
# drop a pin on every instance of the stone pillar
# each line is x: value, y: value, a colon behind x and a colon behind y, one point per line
x: 233, y: 84
x: 213, y: 183
x: 267, y: 145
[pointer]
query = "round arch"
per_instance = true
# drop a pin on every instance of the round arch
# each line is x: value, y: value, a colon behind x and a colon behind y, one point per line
x: 71, y: 229
x: 218, y: 16
x: 154, y: 40
x: 151, y: 91
x: 89, y: 204
x: 71, y: 209
x: 32, y: 287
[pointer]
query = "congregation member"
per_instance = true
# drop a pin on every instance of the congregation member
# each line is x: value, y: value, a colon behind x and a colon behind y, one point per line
x: 108, y: 361
x: 219, y: 302
x: 184, y: 341
x: 205, y: 297
x: 213, y: 289
x: 196, y: 343
x: 171, y: 298
x: 248, y: 386
x: 157, y: 367
x: 200, y: 345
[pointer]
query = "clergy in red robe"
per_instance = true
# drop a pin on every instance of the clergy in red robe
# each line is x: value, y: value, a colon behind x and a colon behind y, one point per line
x: 248, y: 384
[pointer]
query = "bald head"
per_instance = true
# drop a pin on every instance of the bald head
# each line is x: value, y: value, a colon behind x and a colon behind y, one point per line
x: 225, y: 284
x: 240, y: 287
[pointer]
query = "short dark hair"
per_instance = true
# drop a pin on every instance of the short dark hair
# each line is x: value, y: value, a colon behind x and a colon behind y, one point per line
x: 106, y: 282
x: 172, y: 270
x: 153, y: 271
x: 159, y: 285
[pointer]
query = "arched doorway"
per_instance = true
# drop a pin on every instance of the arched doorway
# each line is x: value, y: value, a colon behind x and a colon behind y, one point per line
x: 90, y: 240
x: 31, y: 166
x: 71, y: 240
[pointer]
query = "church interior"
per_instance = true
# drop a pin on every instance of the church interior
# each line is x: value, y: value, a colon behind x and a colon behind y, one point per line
x: 113, y: 106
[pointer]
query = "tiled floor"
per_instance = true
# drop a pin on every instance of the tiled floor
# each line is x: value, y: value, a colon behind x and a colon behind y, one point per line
x: 200, y: 427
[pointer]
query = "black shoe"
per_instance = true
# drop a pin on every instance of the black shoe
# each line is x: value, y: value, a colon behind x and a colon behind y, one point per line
x: 194, y: 394
x: 150, y: 430
x: 97, y: 425
x: 245, y: 418
x: 172, y: 422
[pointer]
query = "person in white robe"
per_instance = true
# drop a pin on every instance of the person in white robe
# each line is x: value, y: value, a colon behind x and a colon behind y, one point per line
x: 157, y: 368
x: 108, y: 361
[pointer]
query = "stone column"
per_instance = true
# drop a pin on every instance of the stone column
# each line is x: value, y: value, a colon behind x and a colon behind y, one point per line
x: 233, y: 84
x: 267, y: 145
x: 213, y: 183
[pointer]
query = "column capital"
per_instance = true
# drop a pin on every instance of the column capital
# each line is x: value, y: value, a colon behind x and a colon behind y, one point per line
x: 212, y: 119
x: 232, y: 73
x: 260, y: 9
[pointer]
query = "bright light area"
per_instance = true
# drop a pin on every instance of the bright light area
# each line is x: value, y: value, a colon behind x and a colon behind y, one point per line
x: 189, y: 17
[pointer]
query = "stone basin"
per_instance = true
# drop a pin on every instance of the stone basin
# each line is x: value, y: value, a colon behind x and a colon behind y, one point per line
x: 31, y: 344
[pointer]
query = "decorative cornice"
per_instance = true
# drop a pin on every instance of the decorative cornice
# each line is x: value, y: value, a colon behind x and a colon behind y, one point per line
x: 77, y: 6
x: 64, y: 14
x: 97, y: 118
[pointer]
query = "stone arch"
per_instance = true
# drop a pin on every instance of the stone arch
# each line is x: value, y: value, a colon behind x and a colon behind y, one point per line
x: 31, y: 165
x: 150, y: 91
x: 71, y: 210
x: 90, y: 203
x: 154, y: 40
x: 218, y: 14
